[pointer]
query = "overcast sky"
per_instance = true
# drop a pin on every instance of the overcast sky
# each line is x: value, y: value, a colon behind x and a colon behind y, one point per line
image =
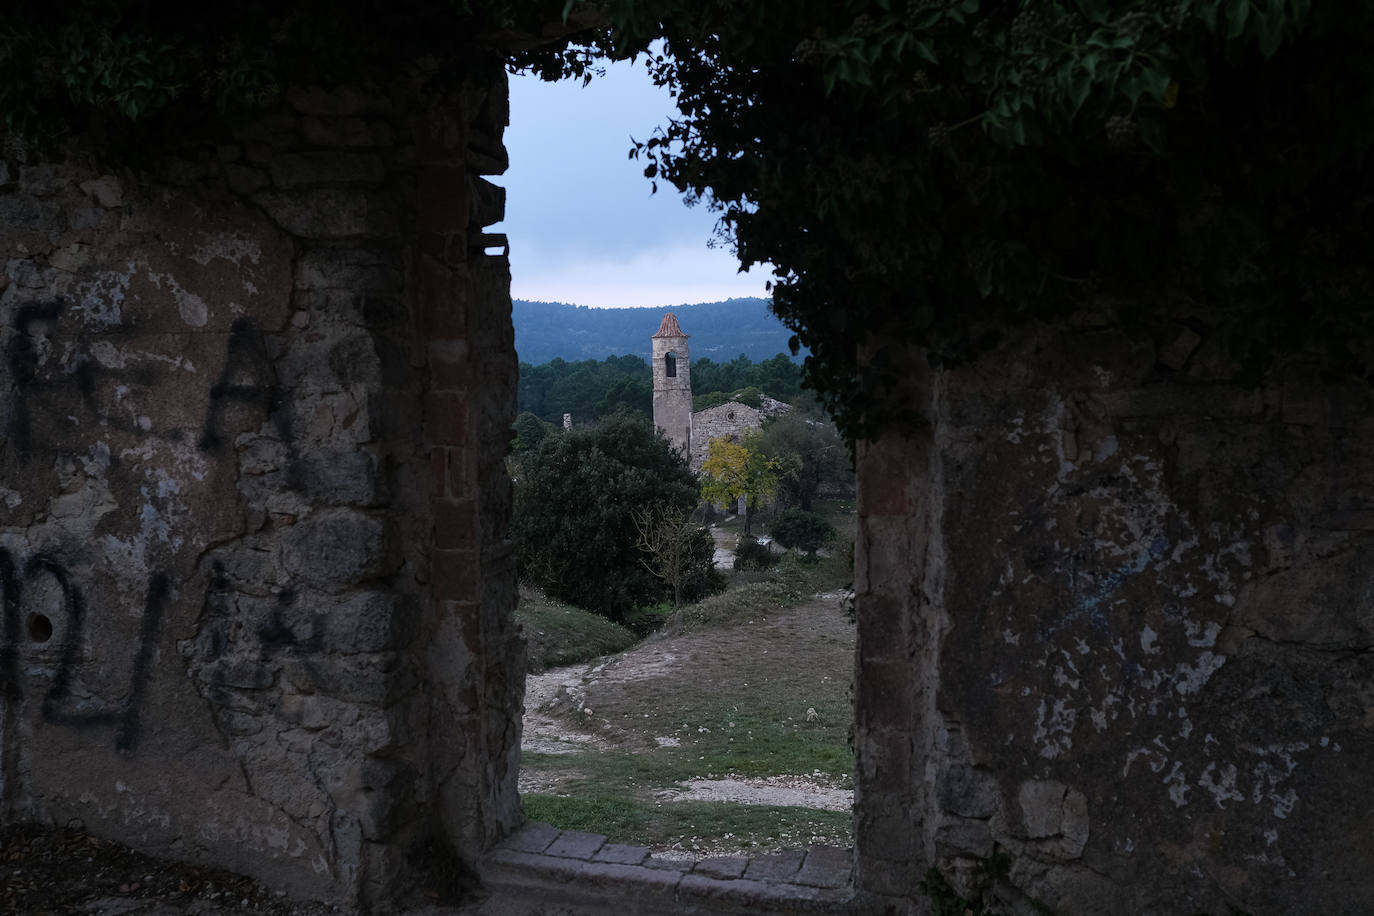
x: 582, y: 223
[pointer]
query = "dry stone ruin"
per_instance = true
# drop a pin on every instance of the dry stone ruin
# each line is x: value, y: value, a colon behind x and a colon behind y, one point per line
x: 256, y: 586
x: 1115, y: 600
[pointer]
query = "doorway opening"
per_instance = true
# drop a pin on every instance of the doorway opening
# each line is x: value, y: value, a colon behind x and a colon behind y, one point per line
x: 720, y: 727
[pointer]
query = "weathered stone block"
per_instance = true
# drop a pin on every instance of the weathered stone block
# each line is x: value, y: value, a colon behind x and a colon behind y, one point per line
x: 967, y: 792
x: 346, y: 132
x: 487, y: 203
x: 959, y: 836
x: 338, y: 478
x: 351, y: 268
x: 373, y: 679
x: 324, y: 169
x: 108, y: 190
x: 45, y: 180
x: 370, y: 622
x: 245, y: 179
x: 330, y: 213
x: 341, y: 101
x: 338, y: 548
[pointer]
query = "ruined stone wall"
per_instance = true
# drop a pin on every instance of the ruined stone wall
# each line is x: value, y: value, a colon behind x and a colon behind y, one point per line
x: 1116, y: 606
x: 254, y: 611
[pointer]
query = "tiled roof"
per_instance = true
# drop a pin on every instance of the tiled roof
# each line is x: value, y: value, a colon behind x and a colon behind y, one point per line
x: 670, y: 327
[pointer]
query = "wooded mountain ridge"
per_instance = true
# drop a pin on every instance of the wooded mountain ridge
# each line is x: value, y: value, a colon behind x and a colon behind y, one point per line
x: 718, y: 330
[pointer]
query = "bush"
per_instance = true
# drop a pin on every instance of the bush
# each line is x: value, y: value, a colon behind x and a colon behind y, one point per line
x: 574, y: 505
x: 750, y: 554
x: 803, y: 530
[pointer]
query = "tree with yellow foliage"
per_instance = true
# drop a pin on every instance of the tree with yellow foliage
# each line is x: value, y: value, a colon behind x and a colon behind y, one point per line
x: 735, y: 470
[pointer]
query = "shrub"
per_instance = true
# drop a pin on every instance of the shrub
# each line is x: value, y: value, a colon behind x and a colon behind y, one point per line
x: 574, y: 505
x: 750, y: 554
x: 803, y: 530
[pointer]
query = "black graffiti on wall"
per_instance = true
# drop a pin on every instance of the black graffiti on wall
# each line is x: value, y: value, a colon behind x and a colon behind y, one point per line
x: 29, y: 627
x: 247, y: 381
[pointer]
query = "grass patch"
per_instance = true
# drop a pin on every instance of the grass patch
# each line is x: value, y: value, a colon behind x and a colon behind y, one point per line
x: 756, y: 593
x: 712, y: 746
x: 646, y: 619
x: 694, y: 826
x: 560, y: 634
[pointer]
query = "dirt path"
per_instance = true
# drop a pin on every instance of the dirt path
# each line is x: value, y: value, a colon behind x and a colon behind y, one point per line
x: 724, y: 557
x: 774, y: 676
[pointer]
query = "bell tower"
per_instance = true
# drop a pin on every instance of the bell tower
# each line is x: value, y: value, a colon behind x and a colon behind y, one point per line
x: 672, y: 384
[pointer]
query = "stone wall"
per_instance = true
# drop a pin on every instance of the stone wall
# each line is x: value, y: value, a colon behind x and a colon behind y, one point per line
x: 724, y: 420
x: 256, y: 584
x: 1116, y: 608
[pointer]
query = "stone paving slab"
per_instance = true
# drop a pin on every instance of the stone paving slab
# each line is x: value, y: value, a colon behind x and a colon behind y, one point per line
x: 826, y: 866
x: 722, y: 867
x: 575, y: 844
x: 621, y: 855
x: 535, y: 837
x: 778, y: 867
x: 581, y: 875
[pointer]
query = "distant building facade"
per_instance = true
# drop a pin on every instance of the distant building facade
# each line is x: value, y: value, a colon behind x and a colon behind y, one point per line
x: 692, y: 432
x: 672, y: 384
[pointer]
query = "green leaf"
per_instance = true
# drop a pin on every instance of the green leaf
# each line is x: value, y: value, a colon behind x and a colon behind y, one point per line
x: 1269, y: 27
x: 1082, y: 86
x: 1208, y: 11
x: 1237, y: 13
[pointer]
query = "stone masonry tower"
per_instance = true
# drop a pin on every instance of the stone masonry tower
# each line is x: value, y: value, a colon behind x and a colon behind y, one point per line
x: 673, y: 384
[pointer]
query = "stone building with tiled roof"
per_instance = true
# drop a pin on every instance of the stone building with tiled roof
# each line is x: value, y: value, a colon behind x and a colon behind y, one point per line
x: 693, y: 432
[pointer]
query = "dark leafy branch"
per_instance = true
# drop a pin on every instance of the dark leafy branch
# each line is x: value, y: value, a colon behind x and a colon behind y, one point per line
x: 917, y: 171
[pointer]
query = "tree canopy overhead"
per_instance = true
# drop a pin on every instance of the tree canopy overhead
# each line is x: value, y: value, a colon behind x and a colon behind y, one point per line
x: 918, y: 171
x: 934, y: 171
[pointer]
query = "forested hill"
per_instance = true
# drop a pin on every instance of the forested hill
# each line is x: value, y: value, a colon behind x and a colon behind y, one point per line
x: 718, y: 330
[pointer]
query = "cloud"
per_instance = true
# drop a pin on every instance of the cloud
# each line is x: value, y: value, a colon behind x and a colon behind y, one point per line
x: 664, y: 275
x: 582, y: 224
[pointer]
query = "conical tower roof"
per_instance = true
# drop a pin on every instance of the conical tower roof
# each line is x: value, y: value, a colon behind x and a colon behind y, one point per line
x: 670, y: 327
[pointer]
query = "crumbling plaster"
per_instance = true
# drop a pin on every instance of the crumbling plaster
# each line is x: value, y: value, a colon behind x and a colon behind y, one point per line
x: 1135, y: 621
